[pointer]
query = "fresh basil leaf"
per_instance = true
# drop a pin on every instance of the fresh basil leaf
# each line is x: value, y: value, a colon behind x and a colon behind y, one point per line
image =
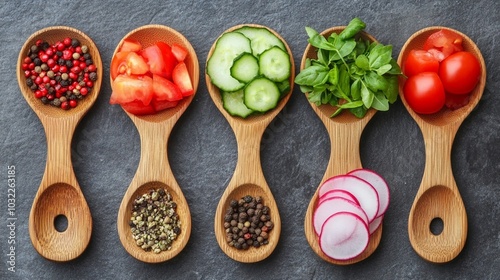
x: 353, y: 28
x: 317, y: 40
x: 375, y: 82
x: 383, y: 69
x: 312, y: 76
x: 316, y: 95
x: 323, y: 57
x: 356, y: 90
x: 333, y: 75
x: 305, y: 89
x: 344, y: 81
x: 362, y: 62
x: 392, y: 91
x: 342, y: 48
x: 395, y: 69
x: 338, y: 111
x: 359, y: 112
x: 366, y: 95
x: 380, y: 103
x: 380, y: 55
x: 350, y: 105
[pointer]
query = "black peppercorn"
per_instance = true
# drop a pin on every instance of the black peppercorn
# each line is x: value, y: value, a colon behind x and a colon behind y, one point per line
x: 93, y: 76
x: 75, y: 43
x: 29, y: 82
x: 37, y: 61
x: 233, y: 203
x: 227, y: 217
x: 34, y: 49
x: 89, y: 62
x: 248, y: 198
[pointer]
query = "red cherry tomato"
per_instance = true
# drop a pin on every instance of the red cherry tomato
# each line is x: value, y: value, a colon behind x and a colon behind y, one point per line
x: 443, y: 43
x: 419, y: 61
x: 460, y: 72
x: 424, y: 92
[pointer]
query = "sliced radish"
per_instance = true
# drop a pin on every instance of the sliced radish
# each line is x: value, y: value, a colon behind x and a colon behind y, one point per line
x: 344, y: 236
x: 375, y: 224
x: 332, y: 206
x: 338, y: 193
x: 364, y: 192
x: 378, y: 183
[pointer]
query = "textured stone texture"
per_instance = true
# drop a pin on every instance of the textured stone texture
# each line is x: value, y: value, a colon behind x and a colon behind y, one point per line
x: 295, y: 149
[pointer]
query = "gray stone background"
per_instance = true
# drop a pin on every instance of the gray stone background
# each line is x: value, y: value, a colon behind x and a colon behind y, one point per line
x: 294, y: 151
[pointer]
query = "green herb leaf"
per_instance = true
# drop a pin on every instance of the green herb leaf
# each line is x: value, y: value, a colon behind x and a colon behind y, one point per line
x: 380, y: 55
x: 356, y: 90
x: 333, y: 75
x: 353, y: 104
x: 359, y: 112
x: 362, y: 62
x: 342, y: 48
x: 353, y: 28
x: 344, y: 81
x: 375, y: 82
x: 366, y: 95
x: 392, y: 90
x: 312, y: 76
x: 380, y: 102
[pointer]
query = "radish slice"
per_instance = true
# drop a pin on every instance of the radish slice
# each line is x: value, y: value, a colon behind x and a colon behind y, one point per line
x: 378, y: 183
x: 332, y: 206
x: 375, y: 224
x: 344, y: 236
x: 338, y: 193
x: 363, y: 191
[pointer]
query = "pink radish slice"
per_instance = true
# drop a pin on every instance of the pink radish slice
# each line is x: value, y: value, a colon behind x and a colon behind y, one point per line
x: 363, y: 191
x: 375, y: 224
x: 344, y: 236
x: 338, y: 193
x: 335, y: 205
x: 378, y: 183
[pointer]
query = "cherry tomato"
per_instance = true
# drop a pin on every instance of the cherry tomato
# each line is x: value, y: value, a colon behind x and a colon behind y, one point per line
x: 424, y: 92
x: 460, y: 72
x: 443, y: 43
x: 419, y: 61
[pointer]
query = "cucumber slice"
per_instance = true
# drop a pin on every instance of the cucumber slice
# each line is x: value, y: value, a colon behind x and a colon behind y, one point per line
x: 233, y: 103
x: 229, y: 46
x: 275, y: 64
x: 261, y: 39
x: 261, y: 94
x: 245, y: 68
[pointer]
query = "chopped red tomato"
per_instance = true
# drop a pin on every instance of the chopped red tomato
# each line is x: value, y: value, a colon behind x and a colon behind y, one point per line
x: 179, y: 52
x: 136, y: 107
x: 443, y: 43
x: 130, y: 45
x: 168, y: 58
x: 164, y: 89
x: 132, y: 64
x: 118, y: 60
x: 153, y: 56
x: 181, y: 78
x: 159, y: 105
x: 129, y: 88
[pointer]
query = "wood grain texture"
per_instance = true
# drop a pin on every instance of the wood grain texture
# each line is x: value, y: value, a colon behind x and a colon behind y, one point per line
x: 59, y: 192
x: 345, y: 134
x: 438, y: 195
x: 154, y: 169
x: 248, y: 178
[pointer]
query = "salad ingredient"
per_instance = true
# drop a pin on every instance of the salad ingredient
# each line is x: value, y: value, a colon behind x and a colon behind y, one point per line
x: 151, y: 79
x: 350, y: 72
x: 247, y: 223
x: 443, y: 43
x: 460, y: 72
x: 424, y: 93
x: 344, y: 236
x: 419, y: 61
x: 154, y: 223
x: 252, y: 61
x: 344, y: 215
x: 60, y: 74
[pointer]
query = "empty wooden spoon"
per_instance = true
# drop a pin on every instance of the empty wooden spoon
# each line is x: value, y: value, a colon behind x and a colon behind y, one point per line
x: 345, y: 134
x: 438, y: 197
x: 59, y: 194
x: 154, y: 170
x: 248, y: 178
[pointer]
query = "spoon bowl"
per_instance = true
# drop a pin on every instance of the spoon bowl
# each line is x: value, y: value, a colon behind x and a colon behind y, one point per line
x: 438, y: 197
x: 345, y: 132
x: 59, y: 193
x: 154, y: 169
x: 248, y: 178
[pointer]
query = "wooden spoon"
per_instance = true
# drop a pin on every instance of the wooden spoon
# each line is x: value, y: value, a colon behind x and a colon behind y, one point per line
x: 154, y: 169
x: 59, y: 194
x: 248, y: 178
x: 438, y: 196
x: 345, y: 134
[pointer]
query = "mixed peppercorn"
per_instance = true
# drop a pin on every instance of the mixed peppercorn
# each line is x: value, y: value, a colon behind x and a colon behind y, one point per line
x: 60, y: 74
x: 154, y: 222
x: 247, y: 223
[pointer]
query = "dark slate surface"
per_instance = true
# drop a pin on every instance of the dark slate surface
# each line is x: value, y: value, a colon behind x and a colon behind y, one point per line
x: 295, y: 148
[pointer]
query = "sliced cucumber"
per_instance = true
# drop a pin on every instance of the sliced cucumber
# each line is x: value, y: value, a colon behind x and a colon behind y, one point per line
x: 275, y: 64
x: 245, y: 68
x: 234, y: 105
x: 261, y: 39
x: 229, y: 46
x: 261, y: 94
